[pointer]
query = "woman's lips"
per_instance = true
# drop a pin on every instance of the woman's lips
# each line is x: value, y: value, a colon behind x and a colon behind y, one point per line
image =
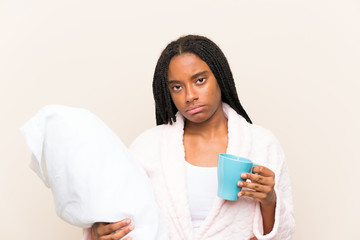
x: 194, y: 109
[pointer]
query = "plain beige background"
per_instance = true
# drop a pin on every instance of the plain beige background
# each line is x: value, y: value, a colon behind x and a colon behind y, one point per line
x: 297, y: 70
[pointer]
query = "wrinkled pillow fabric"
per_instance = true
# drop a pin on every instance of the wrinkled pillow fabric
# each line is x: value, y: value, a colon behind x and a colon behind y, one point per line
x: 90, y: 171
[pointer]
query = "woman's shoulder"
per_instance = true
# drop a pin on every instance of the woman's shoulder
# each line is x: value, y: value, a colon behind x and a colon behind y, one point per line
x: 148, y: 142
x: 146, y: 147
x: 257, y: 133
x: 263, y: 135
x: 148, y: 136
x: 260, y: 131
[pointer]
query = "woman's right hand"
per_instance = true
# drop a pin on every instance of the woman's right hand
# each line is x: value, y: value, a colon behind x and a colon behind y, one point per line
x: 111, y: 231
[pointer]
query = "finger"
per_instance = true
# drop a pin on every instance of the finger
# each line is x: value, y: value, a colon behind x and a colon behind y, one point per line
x: 120, y: 234
x: 260, y: 196
x: 264, y: 171
x: 255, y: 186
x: 259, y: 179
x: 107, y: 228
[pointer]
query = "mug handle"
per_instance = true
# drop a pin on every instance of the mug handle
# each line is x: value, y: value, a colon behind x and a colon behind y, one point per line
x: 254, y: 165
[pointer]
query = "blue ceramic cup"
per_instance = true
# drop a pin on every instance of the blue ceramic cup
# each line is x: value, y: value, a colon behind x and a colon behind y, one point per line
x: 229, y: 169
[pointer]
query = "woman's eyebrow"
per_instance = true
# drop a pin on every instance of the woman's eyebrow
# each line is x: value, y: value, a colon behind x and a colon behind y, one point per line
x: 196, y: 75
x: 173, y: 81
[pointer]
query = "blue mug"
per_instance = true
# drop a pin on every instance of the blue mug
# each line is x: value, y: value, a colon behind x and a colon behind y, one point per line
x: 229, y: 169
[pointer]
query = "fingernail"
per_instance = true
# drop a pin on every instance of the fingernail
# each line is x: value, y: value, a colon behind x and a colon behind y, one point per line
x: 239, y: 194
x: 240, y: 184
x: 243, y: 175
x: 127, y: 221
x: 131, y: 227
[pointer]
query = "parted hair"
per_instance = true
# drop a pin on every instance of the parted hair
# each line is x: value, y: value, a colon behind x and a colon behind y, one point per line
x: 212, y: 55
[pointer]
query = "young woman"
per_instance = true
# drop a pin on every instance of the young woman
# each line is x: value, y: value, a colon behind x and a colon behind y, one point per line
x: 199, y: 115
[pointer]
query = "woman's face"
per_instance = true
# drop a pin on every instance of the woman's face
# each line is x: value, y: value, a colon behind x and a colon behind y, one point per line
x: 193, y: 87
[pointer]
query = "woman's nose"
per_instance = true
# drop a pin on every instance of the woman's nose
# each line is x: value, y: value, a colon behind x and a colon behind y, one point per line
x: 191, y: 94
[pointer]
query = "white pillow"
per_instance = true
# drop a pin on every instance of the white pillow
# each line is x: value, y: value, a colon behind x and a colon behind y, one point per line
x: 90, y: 171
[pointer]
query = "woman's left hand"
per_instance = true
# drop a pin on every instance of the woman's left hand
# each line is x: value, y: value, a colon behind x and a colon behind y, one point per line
x: 261, y: 185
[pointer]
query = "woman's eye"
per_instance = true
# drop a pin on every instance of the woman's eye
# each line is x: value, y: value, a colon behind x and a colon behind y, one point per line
x: 201, y: 80
x: 176, y: 87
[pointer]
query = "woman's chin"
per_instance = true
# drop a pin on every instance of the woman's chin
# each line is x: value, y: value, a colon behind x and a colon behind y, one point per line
x: 197, y: 118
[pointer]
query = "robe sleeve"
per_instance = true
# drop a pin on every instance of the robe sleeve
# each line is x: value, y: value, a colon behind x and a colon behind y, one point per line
x: 284, y: 225
x: 86, y: 234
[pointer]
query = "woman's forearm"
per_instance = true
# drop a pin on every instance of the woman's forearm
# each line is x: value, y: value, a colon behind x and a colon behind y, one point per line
x: 268, y: 216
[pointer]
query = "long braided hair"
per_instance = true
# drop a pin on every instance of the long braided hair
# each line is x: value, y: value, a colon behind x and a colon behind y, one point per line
x: 210, y: 53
